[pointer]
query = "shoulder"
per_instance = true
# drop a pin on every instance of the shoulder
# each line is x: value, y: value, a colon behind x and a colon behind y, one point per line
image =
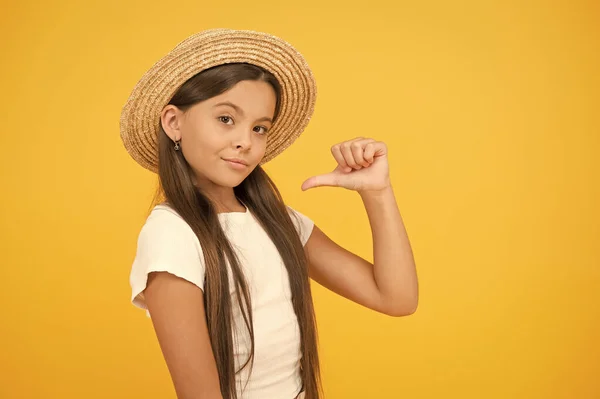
x: 165, y: 233
x: 163, y: 226
x: 304, y: 224
x: 164, y: 219
x: 166, y: 243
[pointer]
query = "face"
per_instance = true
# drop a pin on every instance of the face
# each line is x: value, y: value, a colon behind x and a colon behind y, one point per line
x: 224, y: 138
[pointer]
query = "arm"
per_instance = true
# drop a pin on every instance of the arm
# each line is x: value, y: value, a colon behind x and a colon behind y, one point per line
x: 394, y: 271
x: 177, y: 310
x: 389, y: 285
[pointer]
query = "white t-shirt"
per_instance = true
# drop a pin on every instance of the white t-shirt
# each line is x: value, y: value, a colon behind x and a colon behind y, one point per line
x: 167, y: 243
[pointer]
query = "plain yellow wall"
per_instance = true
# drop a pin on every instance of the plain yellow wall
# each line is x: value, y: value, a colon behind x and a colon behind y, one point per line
x: 491, y: 114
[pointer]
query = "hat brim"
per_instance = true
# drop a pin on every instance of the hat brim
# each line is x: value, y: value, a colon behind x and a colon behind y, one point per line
x: 140, y: 116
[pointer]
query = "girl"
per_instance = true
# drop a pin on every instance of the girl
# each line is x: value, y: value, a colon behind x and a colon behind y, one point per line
x: 222, y: 264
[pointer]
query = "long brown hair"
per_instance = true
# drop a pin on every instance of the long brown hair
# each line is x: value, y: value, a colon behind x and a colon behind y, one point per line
x: 260, y: 195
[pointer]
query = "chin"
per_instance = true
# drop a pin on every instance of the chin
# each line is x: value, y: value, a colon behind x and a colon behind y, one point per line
x: 229, y: 181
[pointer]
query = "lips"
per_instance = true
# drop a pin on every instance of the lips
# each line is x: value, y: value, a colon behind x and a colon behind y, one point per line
x: 236, y: 164
x: 236, y: 160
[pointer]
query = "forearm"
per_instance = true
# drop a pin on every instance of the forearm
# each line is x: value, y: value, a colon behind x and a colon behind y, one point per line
x: 394, y: 267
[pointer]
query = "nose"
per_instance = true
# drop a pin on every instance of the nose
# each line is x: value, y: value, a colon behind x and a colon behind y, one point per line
x: 242, y: 139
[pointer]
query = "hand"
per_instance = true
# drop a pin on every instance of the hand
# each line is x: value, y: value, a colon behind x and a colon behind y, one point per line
x: 362, y: 166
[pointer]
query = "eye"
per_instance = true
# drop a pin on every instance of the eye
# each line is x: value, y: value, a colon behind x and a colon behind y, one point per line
x: 226, y: 120
x: 260, y: 129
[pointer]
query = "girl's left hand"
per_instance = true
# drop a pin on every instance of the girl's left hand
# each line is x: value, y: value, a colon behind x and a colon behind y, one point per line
x: 362, y: 166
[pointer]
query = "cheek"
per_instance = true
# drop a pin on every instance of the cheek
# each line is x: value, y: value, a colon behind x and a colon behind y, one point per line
x: 261, y: 144
x: 259, y: 148
x: 202, y: 138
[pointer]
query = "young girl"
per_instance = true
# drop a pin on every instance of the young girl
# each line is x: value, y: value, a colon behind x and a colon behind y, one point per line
x: 222, y: 264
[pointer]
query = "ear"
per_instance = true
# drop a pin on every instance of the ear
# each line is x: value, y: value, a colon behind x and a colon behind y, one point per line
x: 170, y: 119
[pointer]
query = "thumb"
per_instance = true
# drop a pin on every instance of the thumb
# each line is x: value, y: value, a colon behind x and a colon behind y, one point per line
x: 329, y: 179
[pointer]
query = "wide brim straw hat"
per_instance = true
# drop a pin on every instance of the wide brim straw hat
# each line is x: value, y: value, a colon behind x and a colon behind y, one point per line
x: 140, y: 116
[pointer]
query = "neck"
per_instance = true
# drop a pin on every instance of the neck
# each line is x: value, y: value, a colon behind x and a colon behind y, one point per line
x: 229, y: 206
x: 224, y: 199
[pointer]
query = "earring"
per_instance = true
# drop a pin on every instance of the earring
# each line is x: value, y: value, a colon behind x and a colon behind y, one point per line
x: 177, y: 146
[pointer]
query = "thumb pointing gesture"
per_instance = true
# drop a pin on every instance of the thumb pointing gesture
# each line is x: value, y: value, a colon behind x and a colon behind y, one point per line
x: 361, y: 165
x: 328, y: 179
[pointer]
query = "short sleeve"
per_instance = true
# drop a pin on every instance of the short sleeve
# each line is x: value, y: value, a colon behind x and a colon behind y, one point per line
x: 166, y: 243
x: 304, y: 225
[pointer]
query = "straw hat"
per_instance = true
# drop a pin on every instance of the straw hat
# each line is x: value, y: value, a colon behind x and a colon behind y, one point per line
x: 140, y: 117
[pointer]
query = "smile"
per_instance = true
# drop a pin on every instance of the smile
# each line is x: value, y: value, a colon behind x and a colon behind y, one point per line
x: 235, y: 163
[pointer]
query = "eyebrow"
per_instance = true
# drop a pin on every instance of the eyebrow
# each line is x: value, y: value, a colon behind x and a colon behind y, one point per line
x: 240, y: 111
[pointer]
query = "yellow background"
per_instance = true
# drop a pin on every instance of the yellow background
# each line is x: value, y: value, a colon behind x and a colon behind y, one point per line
x: 491, y: 114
